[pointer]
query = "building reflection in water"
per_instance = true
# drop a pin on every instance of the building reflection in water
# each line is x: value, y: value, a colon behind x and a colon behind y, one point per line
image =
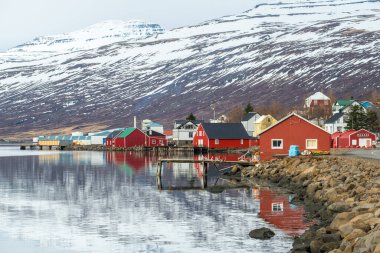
x: 108, y: 202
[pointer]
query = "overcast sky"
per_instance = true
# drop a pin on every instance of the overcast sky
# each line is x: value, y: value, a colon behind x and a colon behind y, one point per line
x: 23, y: 20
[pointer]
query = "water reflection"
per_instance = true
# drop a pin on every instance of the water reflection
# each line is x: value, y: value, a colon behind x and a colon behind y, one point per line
x: 109, y: 202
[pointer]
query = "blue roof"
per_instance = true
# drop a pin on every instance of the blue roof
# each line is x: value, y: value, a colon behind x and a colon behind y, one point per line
x: 153, y: 124
x: 367, y: 104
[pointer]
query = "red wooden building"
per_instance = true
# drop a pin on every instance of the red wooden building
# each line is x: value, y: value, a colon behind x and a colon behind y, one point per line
x: 111, y: 138
x: 293, y: 130
x: 354, y: 139
x: 222, y: 136
x: 130, y: 137
x: 155, y: 139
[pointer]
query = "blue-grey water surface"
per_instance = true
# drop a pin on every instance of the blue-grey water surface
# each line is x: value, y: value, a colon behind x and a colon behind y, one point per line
x: 61, y: 201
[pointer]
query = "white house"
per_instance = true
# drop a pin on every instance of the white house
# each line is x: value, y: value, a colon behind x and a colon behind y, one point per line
x: 248, y: 122
x: 336, y: 123
x: 344, y: 106
x: 184, y: 131
x: 150, y: 125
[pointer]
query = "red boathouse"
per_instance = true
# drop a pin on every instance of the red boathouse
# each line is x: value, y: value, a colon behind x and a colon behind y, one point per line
x: 130, y: 137
x: 293, y: 130
x: 354, y: 139
x: 222, y: 136
x: 155, y: 139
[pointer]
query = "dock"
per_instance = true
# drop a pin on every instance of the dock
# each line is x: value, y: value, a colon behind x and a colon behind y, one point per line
x: 205, y: 163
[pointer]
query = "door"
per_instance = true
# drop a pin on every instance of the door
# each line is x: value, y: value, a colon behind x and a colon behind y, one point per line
x: 365, y: 142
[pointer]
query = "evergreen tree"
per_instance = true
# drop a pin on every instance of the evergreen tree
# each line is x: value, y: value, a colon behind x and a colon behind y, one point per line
x: 357, y: 118
x: 248, y: 108
x: 372, y: 123
x: 191, y: 117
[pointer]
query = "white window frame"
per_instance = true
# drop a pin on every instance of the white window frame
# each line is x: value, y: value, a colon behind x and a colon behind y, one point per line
x: 282, y: 143
x: 307, y: 147
x: 200, y: 133
x: 241, y: 141
x: 278, y: 204
x: 153, y: 141
x: 354, y: 142
x: 216, y: 141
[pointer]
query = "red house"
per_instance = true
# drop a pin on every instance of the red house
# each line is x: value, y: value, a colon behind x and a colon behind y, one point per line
x: 293, y: 130
x: 354, y: 139
x: 155, y: 139
x: 130, y: 137
x: 111, y: 138
x: 222, y: 136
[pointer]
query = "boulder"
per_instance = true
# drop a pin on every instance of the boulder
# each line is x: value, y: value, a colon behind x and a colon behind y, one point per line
x: 341, y: 219
x: 361, y: 218
x: 345, y: 229
x: 368, y: 242
x: 261, y: 233
x: 315, y: 246
x: 339, y: 207
x: 356, y: 233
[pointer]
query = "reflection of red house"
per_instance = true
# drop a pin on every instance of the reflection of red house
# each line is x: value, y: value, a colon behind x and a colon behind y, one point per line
x: 353, y: 139
x: 277, y: 210
x: 130, y: 160
x: 293, y: 130
x: 222, y: 136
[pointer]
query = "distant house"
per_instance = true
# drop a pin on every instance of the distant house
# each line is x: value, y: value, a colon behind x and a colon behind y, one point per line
x: 150, y: 125
x: 99, y: 138
x: 293, y: 130
x: 130, y: 137
x: 318, y: 100
x: 336, y: 123
x: 223, y: 136
x: 248, y: 122
x: 344, y: 106
x: 220, y: 119
x: 184, y: 131
x: 262, y: 123
x: 169, y: 134
x: 110, y: 140
x: 155, y: 139
x: 354, y: 139
x: 367, y: 104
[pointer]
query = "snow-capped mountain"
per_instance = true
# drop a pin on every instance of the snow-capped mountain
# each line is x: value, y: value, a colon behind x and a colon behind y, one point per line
x: 278, y: 50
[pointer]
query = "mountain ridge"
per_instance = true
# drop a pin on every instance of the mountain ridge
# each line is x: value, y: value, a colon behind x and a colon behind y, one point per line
x: 280, y: 51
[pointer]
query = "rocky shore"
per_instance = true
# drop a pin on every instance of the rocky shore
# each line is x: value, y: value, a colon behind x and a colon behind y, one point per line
x: 342, y: 193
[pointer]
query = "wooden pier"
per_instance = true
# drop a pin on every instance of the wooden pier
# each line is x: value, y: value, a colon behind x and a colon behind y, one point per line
x: 205, y: 163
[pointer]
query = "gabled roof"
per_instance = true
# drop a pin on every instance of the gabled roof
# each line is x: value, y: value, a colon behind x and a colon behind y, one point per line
x: 126, y: 132
x: 334, y: 118
x: 318, y: 96
x: 184, y: 121
x: 263, y: 117
x: 292, y: 114
x: 153, y: 133
x: 344, y: 102
x: 154, y: 124
x: 114, y: 134
x: 230, y: 131
x: 249, y: 116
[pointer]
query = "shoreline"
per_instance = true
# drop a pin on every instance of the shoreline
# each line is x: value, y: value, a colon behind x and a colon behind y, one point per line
x: 341, y: 193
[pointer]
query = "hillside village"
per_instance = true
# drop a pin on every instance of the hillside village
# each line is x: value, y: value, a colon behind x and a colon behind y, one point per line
x: 319, y: 126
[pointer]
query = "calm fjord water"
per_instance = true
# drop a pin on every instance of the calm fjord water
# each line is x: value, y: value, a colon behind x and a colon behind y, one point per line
x: 54, y: 202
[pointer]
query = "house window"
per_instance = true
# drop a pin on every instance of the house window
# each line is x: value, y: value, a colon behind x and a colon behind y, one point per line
x: 268, y: 120
x: 190, y: 134
x: 277, y: 207
x: 339, y: 129
x: 153, y: 141
x: 311, y: 144
x: 277, y: 143
x: 241, y: 141
x: 354, y: 142
x: 216, y: 141
x: 161, y: 141
x: 200, y: 133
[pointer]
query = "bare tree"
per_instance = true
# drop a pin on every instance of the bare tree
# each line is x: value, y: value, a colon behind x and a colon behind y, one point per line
x: 235, y: 115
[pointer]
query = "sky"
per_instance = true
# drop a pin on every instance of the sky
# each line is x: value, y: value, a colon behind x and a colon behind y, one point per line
x: 23, y: 20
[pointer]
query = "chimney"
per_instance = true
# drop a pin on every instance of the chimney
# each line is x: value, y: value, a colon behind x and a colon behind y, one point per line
x: 134, y: 122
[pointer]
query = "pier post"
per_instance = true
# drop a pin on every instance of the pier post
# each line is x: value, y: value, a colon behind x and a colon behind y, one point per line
x: 159, y: 168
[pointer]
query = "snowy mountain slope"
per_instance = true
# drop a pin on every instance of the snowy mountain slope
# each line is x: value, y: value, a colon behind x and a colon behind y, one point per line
x: 276, y: 51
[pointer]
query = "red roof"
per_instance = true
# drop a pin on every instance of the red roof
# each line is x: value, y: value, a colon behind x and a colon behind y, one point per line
x: 168, y: 132
x: 347, y: 133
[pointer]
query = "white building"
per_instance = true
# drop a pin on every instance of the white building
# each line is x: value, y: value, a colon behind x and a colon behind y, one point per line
x: 150, y: 125
x: 248, y: 122
x: 344, y: 106
x: 336, y: 123
x: 184, y: 131
x: 221, y: 119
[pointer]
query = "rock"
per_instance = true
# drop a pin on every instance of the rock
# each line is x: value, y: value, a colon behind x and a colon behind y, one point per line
x: 341, y: 219
x: 377, y: 213
x: 315, y: 246
x: 372, y: 222
x: 363, y: 207
x: 361, y: 218
x: 332, y: 195
x: 345, y: 229
x: 356, y: 233
x: 261, y: 233
x: 336, y: 251
x: 377, y: 249
x: 368, y: 242
x: 339, y: 207
x: 327, y: 247
x: 312, y: 188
